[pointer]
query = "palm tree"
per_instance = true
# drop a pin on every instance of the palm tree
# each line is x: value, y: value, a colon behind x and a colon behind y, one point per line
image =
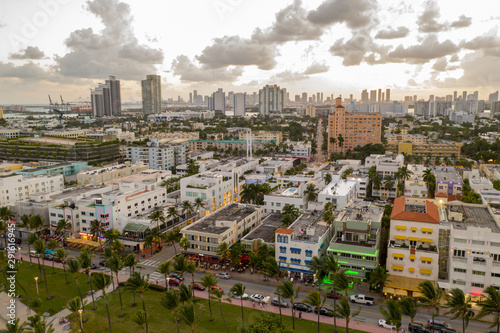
x: 315, y: 300
x: 342, y: 283
x: 186, y: 293
x: 388, y: 183
x: 96, y: 229
x: 62, y: 226
x: 131, y: 263
x: 317, y: 265
x: 139, y: 318
x: 156, y: 234
x: 218, y: 296
x: 32, y: 238
x: 40, y: 248
x: 187, y: 313
x: 343, y: 310
x: 86, y: 261
x: 74, y: 268
x: 328, y: 178
x: 15, y: 327
x: 187, y: 207
x: 340, y: 140
x: 332, y: 268
x: 392, y: 313
x: 115, y: 265
x: 165, y: 268
x: 223, y: 252
x: 172, y: 213
x: 460, y: 306
x: 184, y: 244
x: 62, y: 254
x: 37, y: 222
x: 75, y: 305
x: 431, y: 297
x: 198, y: 204
x: 379, y: 277
x: 191, y: 268
x: 238, y: 290
x: 491, y: 305
x: 409, y: 308
x: 25, y: 222
x: 208, y: 281
x: 180, y: 264
x: 272, y: 269
x: 111, y: 235
x: 286, y: 290
x: 38, y: 324
x: 52, y: 244
x: 311, y: 192
x: 148, y: 242
x: 139, y: 283
x: 157, y: 217
x: 172, y: 237
x: 171, y: 301
x: 333, y: 141
x: 101, y: 282
x: 403, y: 174
x: 430, y: 180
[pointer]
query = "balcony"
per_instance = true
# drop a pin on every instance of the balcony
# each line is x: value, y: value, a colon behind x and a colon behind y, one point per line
x: 369, y: 243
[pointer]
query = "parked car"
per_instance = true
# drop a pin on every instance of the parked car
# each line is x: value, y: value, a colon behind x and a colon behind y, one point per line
x: 93, y: 266
x: 174, y: 282
x: 176, y: 275
x: 226, y: 276
x: 48, y: 257
x: 384, y: 324
x: 233, y: 295
x: 49, y: 251
x: 102, y: 263
x: 299, y: 306
x: 362, y: 299
x: 333, y: 294
x: 440, y: 325
x: 276, y: 302
x: 257, y: 298
x: 212, y: 288
x: 33, y: 253
x: 56, y: 259
x: 324, y: 311
x: 197, y: 286
x: 417, y: 328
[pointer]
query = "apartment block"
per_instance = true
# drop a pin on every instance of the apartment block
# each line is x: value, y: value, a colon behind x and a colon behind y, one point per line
x: 356, y: 128
x: 262, y: 234
x: 448, y: 180
x: 14, y: 187
x: 159, y: 157
x: 429, y: 150
x: 263, y: 135
x: 386, y: 165
x: 65, y: 169
x: 339, y: 192
x: 105, y: 174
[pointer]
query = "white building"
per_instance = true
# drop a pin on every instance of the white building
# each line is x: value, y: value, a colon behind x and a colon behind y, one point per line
x: 239, y: 103
x: 105, y: 174
x: 279, y: 198
x: 14, y: 187
x: 416, y: 187
x: 339, y: 192
x: 10, y: 133
x: 158, y: 157
x: 387, y: 165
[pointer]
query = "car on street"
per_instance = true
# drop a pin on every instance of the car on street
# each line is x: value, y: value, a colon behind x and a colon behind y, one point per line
x: 176, y: 275
x: 417, y: 328
x: 324, y: 311
x: 49, y: 251
x: 212, y: 288
x: 226, y: 276
x: 102, y: 263
x: 93, y: 266
x: 174, y: 282
x: 276, y: 302
x: 384, y: 324
x: 56, y: 259
x: 257, y: 298
x: 48, y: 257
x: 33, y: 253
x: 334, y: 295
x: 233, y: 295
x: 197, y: 286
x: 299, y: 306
x: 440, y: 325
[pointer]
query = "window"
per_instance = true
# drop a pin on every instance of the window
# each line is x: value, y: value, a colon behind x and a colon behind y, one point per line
x: 53, y: 214
x: 496, y: 257
x: 460, y: 270
x: 460, y: 240
x: 345, y: 255
x: 478, y: 273
x: 459, y: 282
x: 479, y: 285
x: 309, y: 253
x: 357, y: 256
x: 295, y: 251
x: 459, y: 253
x: 282, y: 249
x: 477, y: 242
x: 495, y: 275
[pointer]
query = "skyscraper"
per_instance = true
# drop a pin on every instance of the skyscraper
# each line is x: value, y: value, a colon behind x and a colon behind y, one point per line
x: 106, y: 98
x: 364, y: 96
x: 388, y: 95
x: 239, y: 102
x: 271, y: 100
x: 373, y: 96
x: 493, y: 97
x: 115, y: 96
x: 379, y: 95
x: 304, y: 98
x: 151, y: 94
x: 464, y: 95
x: 217, y: 102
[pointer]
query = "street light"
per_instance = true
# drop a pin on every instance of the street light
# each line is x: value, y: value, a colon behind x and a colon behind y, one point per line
x: 36, y: 282
x: 81, y: 321
x: 168, y: 283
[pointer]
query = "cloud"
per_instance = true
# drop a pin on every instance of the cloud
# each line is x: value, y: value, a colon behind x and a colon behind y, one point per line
x: 29, y: 71
x: 29, y: 52
x: 399, y: 32
x: 440, y: 65
x: 428, y: 20
x: 114, y: 50
x: 188, y: 71
x: 288, y: 75
x: 462, y: 22
x: 316, y: 68
x: 355, y: 13
x: 358, y: 49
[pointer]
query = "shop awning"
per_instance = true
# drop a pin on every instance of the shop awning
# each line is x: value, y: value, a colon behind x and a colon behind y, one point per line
x: 403, y: 282
x: 129, y: 243
x: 398, y: 255
x: 400, y: 237
x: 400, y: 292
x: 413, y: 239
x: 388, y: 290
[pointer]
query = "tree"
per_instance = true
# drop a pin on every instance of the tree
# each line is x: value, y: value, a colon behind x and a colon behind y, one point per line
x: 139, y: 283
x: 165, y: 268
x: 111, y: 235
x: 180, y: 264
x: 149, y: 242
x: 327, y: 178
x: 460, y: 306
x: 52, y: 244
x: 491, y: 305
x: 172, y: 237
x: 15, y: 327
x: 115, y: 265
x: 187, y: 207
x: 340, y: 140
x: 272, y: 269
x: 171, y: 301
x: 223, y: 252
x: 199, y: 204
x: 86, y: 261
x: 32, y: 238
x: 333, y: 268
x: 409, y: 308
x: 238, y: 290
x: 157, y: 217
x: 392, y: 313
x: 379, y: 277
x: 37, y: 222
x: 286, y: 290
x: 388, y: 183
x: 74, y: 268
x: 431, y: 298
x: 208, y: 281
x: 139, y: 318
x: 62, y: 254
x: 40, y: 248
x: 38, y: 324
x: 191, y: 268
x: 430, y: 180
x: 184, y: 244
x: 317, y: 265
x: 311, y: 192
x: 343, y: 310
x: 131, y: 263
x: 172, y: 213
x: 101, y: 282
x: 62, y: 226
x: 188, y: 314
x: 218, y: 296
x: 192, y: 167
x: 315, y: 300
x: 267, y: 323
x: 96, y: 229
x: 347, y: 172
x: 25, y: 222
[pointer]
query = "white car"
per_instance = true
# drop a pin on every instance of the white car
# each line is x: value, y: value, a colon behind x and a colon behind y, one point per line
x: 226, y: 276
x: 233, y: 295
x: 384, y: 324
x: 258, y: 297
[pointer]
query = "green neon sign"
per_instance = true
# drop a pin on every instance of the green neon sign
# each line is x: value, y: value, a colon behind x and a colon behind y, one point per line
x: 353, y: 252
x: 351, y: 272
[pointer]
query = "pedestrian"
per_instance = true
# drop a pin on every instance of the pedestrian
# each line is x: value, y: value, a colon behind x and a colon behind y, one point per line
x: 300, y: 315
x: 260, y: 303
x: 156, y: 282
x: 28, y: 311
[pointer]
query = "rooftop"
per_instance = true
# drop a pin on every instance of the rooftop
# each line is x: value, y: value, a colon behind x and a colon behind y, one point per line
x: 361, y: 211
x: 447, y: 175
x: 309, y: 226
x: 286, y: 192
x: 339, y: 188
x: 472, y: 216
x: 232, y: 213
x: 265, y: 231
x: 46, y: 167
x: 407, y: 211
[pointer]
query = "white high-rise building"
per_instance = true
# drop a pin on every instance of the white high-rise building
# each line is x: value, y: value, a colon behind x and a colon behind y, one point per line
x: 239, y: 102
x: 271, y: 100
x: 217, y: 102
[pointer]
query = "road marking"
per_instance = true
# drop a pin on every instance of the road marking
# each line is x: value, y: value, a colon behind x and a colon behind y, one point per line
x: 149, y: 262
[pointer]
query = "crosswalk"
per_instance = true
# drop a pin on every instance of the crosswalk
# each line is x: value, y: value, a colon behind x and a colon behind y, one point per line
x: 155, y: 276
x: 149, y: 262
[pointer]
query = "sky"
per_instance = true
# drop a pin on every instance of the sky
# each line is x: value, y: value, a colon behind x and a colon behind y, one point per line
x: 340, y: 47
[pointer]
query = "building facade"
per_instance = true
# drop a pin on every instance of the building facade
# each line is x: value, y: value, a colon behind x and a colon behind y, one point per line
x: 271, y: 100
x: 151, y: 94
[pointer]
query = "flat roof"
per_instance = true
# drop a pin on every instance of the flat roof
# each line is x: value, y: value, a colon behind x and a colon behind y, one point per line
x: 447, y: 175
x: 47, y: 167
x: 75, y: 191
x: 309, y: 220
x: 286, y: 192
x: 361, y: 211
x: 233, y: 213
x: 476, y: 216
x: 265, y: 230
x: 339, y: 188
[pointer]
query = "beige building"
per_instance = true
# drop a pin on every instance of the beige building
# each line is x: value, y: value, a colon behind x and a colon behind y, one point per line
x: 413, y: 138
x: 175, y: 135
x: 263, y: 135
x: 98, y: 176
x: 75, y: 133
x: 432, y: 150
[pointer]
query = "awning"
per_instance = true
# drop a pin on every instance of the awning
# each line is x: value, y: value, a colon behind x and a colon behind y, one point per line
x: 426, y: 240
x: 411, y: 269
x: 135, y: 227
x: 400, y: 237
x: 403, y: 282
x: 400, y: 227
x: 417, y: 294
x: 413, y: 239
x: 83, y: 242
x: 388, y: 290
x: 295, y: 249
x: 398, y: 255
x: 283, y: 247
x: 412, y: 256
x: 400, y: 292
x: 426, y: 258
x: 425, y: 271
x: 282, y: 258
x: 427, y: 230
x: 129, y: 243
x: 296, y: 270
x: 396, y: 267
x: 413, y: 228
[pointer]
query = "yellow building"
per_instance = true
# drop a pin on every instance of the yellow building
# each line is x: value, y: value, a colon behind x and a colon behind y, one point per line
x: 263, y: 136
x: 432, y: 150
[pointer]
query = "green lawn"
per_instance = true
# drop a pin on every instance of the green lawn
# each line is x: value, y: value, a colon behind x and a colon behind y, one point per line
x: 161, y: 320
x: 56, y: 283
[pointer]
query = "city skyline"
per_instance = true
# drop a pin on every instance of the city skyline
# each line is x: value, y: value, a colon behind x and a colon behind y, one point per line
x: 333, y: 46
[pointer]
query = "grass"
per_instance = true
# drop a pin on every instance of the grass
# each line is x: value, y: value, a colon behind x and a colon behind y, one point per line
x: 58, y: 289
x: 161, y: 319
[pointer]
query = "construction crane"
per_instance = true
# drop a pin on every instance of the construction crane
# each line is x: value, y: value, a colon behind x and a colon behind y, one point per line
x: 66, y: 107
